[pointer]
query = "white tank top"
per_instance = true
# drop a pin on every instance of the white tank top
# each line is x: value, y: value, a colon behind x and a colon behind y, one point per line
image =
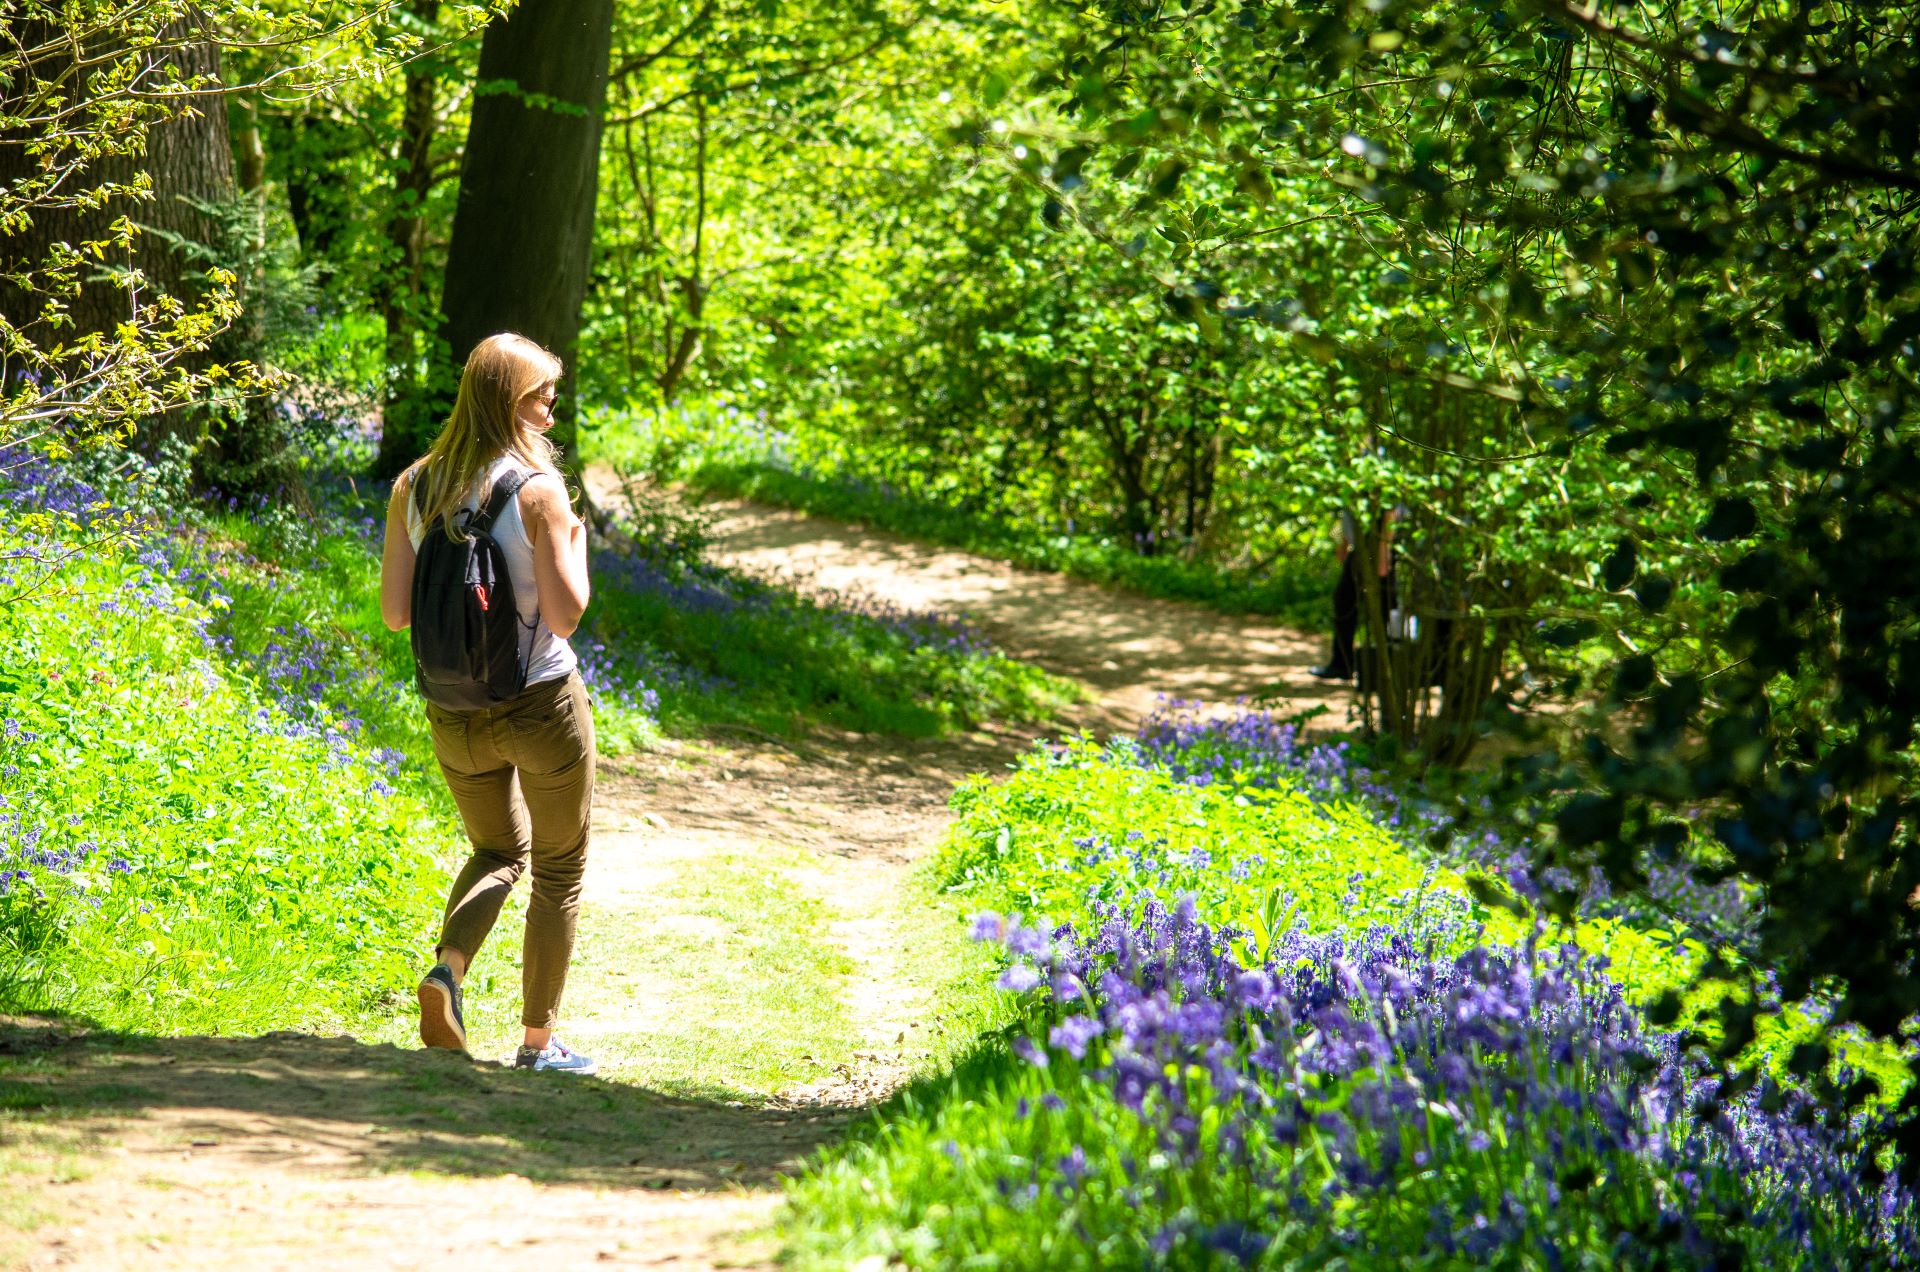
x: 551, y: 657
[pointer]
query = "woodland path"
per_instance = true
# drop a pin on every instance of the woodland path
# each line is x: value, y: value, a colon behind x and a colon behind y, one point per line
x: 300, y: 1151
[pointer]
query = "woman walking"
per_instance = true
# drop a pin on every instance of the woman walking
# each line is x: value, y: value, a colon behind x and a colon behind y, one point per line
x: 520, y: 761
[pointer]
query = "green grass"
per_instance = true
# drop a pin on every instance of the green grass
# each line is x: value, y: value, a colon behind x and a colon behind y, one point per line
x: 855, y: 1200
x: 953, y: 976
x: 892, y: 1193
x: 1239, y: 850
x: 217, y: 720
x: 723, y: 648
x: 743, y: 987
x: 211, y: 890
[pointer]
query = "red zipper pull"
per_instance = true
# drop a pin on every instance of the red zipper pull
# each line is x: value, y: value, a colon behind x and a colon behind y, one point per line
x: 481, y: 592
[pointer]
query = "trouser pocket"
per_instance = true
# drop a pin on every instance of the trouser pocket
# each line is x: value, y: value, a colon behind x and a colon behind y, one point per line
x: 451, y: 732
x: 550, y: 728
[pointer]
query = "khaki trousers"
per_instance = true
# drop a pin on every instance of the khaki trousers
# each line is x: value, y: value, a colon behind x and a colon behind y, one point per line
x: 522, y: 775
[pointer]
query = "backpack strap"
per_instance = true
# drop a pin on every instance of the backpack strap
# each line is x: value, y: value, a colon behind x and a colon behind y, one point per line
x: 504, y: 489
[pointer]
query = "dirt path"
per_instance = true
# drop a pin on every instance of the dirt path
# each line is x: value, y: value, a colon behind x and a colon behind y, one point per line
x: 1129, y: 649
x: 296, y: 1151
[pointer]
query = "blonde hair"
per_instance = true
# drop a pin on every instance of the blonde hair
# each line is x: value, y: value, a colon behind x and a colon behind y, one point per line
x: 503, y: 371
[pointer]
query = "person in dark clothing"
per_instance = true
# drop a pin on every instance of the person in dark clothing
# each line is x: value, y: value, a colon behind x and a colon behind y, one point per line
x: 1342, y: 663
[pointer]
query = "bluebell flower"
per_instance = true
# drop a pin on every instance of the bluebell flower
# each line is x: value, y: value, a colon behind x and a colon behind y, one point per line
x: 1073, y: 1034
x: 1018, y: 978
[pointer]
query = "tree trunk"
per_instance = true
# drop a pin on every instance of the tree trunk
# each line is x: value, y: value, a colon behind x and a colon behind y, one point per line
x: 687, y: 347
x: 189, y: 157
x: 523, y: 229
x: 1127, y: 462
x: 253, y: 151
x: 407, y: 422
x: 693, y: 288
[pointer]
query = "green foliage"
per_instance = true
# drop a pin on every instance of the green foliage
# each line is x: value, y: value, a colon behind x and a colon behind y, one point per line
x: 251, y: 442
x: 1067, y: 832
x: 1631, y: 298
x: 104, y: 326
x: 1047, y: 1166
x: 1088, y: 826
x: 734, y: 133
x: 68, y: 177
x: 874, y: 294
x: 723, y: 450
x: 204, y: 863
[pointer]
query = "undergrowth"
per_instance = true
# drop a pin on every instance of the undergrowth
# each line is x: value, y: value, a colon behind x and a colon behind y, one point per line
x: 203, y: 830
x: 720, y: 453
x: 1256, y: 1025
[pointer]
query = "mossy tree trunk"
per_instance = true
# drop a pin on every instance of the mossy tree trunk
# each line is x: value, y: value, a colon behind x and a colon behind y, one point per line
x: 189, y: 158
x: 522, y: 241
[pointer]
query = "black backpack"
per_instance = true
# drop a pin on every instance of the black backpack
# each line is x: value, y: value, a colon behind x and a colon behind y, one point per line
x: 467, y: 644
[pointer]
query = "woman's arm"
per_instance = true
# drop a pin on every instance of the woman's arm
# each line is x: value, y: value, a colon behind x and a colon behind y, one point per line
x: 559, y: 553
x: 396, y: 562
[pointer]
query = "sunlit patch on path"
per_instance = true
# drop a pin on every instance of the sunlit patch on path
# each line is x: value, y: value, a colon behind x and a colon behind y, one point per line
x: 1130, y: 649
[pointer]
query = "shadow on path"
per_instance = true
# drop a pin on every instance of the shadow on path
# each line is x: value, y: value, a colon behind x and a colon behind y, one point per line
x: 294, y: 1101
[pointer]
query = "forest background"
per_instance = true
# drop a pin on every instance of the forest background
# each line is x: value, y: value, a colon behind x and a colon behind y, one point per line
x: 1618, y: 302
